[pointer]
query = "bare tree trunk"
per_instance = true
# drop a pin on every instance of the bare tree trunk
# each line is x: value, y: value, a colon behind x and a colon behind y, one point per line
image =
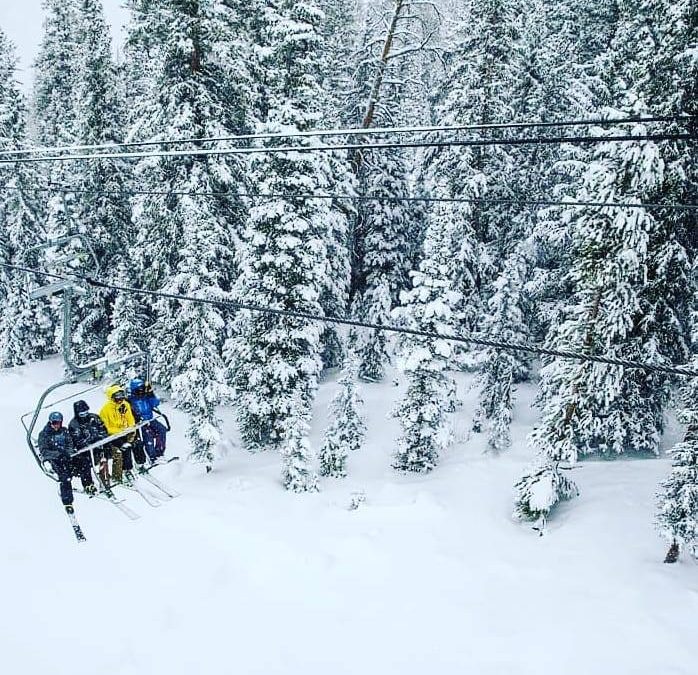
x: 382, y: 65
x: 357, y: 158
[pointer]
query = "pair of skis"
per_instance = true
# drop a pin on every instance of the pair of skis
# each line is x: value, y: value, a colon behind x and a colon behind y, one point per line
x: 107, y: 494
x: 165, y: 493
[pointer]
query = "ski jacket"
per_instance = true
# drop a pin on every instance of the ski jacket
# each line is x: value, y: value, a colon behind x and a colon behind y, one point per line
x: 143, y: 406
x: 55, y: 443
x: 116, y: 416
x: 86, y: 430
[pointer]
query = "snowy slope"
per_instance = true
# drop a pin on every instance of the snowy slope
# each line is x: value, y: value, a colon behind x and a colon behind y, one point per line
x: 429, y: 575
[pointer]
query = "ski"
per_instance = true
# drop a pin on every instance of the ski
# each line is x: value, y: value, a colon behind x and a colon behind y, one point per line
x: 161, y: 461
x: 159, y: 485
x: 76, y: 526
x: 109, y: 496
x: 150, y: 500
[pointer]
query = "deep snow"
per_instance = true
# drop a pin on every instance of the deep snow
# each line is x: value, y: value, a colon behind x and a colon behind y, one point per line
x: 429, y: 575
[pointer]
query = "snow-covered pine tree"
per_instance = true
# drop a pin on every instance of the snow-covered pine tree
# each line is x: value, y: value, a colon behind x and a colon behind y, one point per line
x: 374, y: 307
x: 427, y: 307
x: 276, y: 359
x: 26, y: 327
x: 677, y: 498
x: 386, y: 232
x: 185, y: 243
x: 476, y: 88
x: 384, y: 238
x: 664, y: 34
x: 628, y: 276
x: 145, y: 34
x: 562, y: 51
x: 347, y: 429
x: 677, y: 501
x: 55, y: 104
x: 339, y: 31
x: 502, y: 368
x: 102, y: 211
x: 297, y: 475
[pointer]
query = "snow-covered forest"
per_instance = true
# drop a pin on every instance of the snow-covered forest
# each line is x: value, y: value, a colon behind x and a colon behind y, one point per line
x: 504, y: 240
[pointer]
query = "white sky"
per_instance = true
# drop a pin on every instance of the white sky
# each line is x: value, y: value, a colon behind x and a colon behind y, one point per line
x: 22, y: 21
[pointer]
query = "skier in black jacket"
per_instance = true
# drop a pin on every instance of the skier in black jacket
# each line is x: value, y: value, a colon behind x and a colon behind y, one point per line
x: 56, y: 447
x: 87, y: 428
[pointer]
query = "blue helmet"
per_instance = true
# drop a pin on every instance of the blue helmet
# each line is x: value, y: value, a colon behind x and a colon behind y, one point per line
x: 137, y: 386
x: 55, y: 417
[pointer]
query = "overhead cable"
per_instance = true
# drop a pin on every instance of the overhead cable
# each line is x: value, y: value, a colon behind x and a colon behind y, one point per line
x: 306, y: 316
x: 324, y: 133
x: 357, y: 197
x: 359, y: 148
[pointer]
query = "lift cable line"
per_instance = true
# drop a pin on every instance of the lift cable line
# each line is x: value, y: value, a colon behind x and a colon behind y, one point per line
x: 325, y: 133
x: 64, y: 189
x: 359, y: 148
x: 450, y: 337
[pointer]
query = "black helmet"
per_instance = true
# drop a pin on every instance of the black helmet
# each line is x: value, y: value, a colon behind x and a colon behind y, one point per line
x: 81, y: 408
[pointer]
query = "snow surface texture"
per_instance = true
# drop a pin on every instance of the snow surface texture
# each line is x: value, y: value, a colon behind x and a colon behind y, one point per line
x: 428, y: 575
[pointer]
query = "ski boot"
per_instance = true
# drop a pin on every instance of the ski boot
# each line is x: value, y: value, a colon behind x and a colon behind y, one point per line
x: 69, y: 509
x: 90, y: 490
x: 129, y: 479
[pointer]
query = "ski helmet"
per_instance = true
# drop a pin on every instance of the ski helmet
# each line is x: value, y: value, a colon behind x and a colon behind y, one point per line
x: 81, y: 408
x: 137, y: 385
x: 55, y: 417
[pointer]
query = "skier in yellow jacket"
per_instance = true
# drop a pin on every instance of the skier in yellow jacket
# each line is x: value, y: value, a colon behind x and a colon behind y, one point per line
x: 117, y: 416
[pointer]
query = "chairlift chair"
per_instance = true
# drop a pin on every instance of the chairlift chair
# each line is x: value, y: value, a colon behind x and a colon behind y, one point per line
x: 100, y: 368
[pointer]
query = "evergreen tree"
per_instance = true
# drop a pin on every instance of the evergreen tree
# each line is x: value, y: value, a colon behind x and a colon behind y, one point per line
x: 283, y: 265
x: 339, y: 32
x: 347, y: 429
x: 677, y: 515
x: 371, y: 345
x: 477, y: 88
x: 677, y: 500
x: 185, y: 244
x: 501, y: 367
x: 427, y: 307
x: 26, y: 327
x: 295, y: 456
x: 102, y: 212
x: 624, y: 305
x: 386, y: 233
x: 55, y: 104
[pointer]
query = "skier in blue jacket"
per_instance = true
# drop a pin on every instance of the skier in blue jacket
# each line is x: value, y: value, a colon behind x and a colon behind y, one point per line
x: 143, y: 403
x: 56, y: 447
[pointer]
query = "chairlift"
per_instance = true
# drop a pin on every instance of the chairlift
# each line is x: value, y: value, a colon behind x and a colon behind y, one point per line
x: 98, y: 371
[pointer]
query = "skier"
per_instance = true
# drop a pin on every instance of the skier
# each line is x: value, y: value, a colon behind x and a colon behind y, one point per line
x: 117, y: 416
x: 143, y: 402
x: 87, y: 428
x: 56, y: 447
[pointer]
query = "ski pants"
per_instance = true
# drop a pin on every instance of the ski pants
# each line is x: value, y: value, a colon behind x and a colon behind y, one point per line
x: 67, y: 467
x: 154, y: 439
x: 129, y: 450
